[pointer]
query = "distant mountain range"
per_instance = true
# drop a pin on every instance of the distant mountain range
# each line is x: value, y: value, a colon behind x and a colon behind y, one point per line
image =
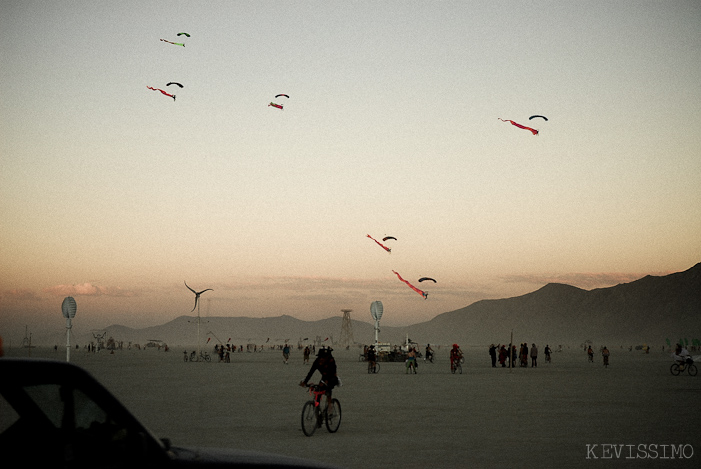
x: 649, y: 310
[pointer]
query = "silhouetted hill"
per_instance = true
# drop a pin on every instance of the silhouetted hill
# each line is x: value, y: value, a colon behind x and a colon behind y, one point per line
x: 648, y: 310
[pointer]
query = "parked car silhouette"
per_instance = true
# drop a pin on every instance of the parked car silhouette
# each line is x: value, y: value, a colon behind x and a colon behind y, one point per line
x: 55, y: 414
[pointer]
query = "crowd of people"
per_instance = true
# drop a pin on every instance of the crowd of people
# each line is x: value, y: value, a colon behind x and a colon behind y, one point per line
x: 518, y: 356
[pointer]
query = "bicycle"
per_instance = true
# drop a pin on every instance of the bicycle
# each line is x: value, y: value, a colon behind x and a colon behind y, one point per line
x: 374, y: 368
x: 457, y: 366
x: 689, y: 366
x: 204, y: 356
x: 315, y: 411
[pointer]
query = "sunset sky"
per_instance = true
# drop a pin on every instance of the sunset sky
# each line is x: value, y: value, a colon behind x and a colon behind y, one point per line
x: 115, y: 194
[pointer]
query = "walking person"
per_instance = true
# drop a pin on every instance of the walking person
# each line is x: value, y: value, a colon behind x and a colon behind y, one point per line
x: 605, y: 353
x: 307, y: 352
x: 286, y: 353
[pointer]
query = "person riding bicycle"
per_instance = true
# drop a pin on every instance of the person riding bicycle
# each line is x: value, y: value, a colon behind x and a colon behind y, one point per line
x: 326, y: 365
x: 681, y: 355
x: 372, y: 357
x: 455, y: 356
x: 429, y: 353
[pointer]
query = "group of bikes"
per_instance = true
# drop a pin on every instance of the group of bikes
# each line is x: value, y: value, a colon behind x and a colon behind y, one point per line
x: 374, y: 365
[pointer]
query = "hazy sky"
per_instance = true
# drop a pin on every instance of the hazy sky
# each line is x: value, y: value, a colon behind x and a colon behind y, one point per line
x: 115, y: 194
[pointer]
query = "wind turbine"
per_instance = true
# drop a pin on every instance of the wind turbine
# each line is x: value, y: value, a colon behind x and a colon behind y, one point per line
x: 197, y: 305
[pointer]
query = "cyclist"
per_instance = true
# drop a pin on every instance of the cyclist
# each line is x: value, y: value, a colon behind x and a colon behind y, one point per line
x: 455, y: 356
x: 326, y: 365
x: 372, y: 357
x: 681, y: 356
x: 429, y: 353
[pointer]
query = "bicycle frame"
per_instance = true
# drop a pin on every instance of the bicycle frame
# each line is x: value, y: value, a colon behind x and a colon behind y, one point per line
x: 316, y: 393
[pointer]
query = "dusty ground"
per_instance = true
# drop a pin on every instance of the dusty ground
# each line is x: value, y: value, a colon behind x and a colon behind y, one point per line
x: 550, y: 416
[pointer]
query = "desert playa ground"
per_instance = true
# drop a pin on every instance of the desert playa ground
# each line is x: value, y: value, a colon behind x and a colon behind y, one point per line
x: 569, y: 413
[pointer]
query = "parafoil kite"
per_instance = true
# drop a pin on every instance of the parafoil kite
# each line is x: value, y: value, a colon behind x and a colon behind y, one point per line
x: 176, y: 43
x: 427, y: 278
x: 186, y: 34
x: 535, y: 132
x: 382, y: 245
x: 278, y: 95
x: 389, y: 237
x: 420, y: 292
x: 164, y: 92
x: 174, y: 83
x: 279, y: 106
x: 542, y: 117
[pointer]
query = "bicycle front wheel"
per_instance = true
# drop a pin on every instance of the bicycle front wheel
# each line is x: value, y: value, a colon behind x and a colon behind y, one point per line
x: 459, y: 368
x: 674, y: 369
x: 309, y: 418
x: 333, y: 419
x: 693, y: 370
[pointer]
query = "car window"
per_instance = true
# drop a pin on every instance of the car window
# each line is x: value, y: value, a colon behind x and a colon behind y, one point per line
x: 8, y: 415
x: 47, y: 397
x: 78, y: 429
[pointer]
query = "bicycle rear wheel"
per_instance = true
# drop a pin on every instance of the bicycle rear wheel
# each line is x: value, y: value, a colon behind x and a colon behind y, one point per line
x: 333, y: 420
x: 693, y: 370
x: 309, y: 418
x: 674, y: 369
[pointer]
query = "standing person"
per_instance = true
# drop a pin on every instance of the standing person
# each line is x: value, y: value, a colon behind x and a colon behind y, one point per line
x: 455, y: 357
x: 493, y: 355
x: 306, y: 354
x: 411, y: 360
x: 286, y: 353
x: 502, y: 356
x: 605, y: 353
x: 534, y: 356
x: 326, y: 365
x: 590, y: 354
x: 547, y: 353
x: 371, y: 357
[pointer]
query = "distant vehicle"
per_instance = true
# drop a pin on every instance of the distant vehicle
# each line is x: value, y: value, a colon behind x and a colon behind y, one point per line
x: 55, y: 414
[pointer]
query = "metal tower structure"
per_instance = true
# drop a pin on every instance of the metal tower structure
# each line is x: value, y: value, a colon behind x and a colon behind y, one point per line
x: 346, y: 329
